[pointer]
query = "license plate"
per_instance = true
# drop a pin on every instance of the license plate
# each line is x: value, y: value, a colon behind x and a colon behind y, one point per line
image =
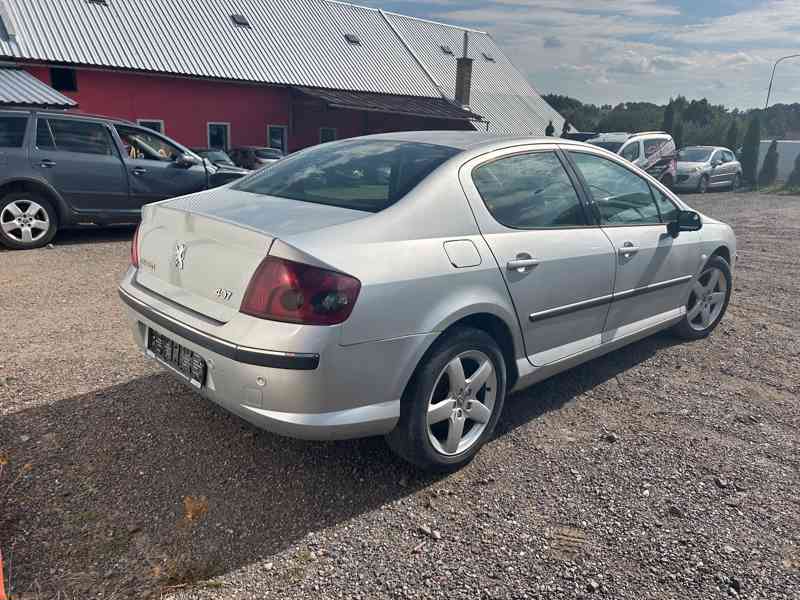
x: 187, y: 363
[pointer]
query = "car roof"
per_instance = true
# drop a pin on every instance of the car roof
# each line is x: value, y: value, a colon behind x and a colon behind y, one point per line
x: 66, y: 113
x: 466, y: 140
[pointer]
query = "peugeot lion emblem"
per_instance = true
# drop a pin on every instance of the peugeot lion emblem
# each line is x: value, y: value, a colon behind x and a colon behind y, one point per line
x: 180, y: 254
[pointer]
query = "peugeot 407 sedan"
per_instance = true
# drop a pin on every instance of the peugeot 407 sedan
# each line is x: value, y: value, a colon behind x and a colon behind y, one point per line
x: 402, y: 284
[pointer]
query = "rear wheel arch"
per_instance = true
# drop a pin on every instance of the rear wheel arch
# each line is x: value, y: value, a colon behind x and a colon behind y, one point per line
x: 490, y: 323
x: 41, y: 189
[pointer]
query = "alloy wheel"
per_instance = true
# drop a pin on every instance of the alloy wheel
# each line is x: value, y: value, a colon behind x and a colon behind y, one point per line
x: 461, y: 403
x: 707, y: 299
x: 24, y: 221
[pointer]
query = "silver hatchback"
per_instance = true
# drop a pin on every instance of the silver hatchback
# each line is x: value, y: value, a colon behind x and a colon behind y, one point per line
x: 403, y: 284
x: 702, y: 168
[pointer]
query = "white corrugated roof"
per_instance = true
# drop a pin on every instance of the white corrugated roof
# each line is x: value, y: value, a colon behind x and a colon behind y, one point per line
x: 19, y: 88
x: 289, y: 42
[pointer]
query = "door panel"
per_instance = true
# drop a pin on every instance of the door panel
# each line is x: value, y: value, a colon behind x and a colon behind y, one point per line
x: 719, y: 174
x: 78, y: 158
x: 558, y: 270
x: 151, y: 164
x: 653, y: 269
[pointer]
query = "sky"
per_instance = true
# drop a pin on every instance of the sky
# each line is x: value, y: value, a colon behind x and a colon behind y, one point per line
x: 610, y: 51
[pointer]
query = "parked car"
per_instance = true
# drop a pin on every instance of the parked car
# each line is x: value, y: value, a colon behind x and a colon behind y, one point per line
x: 60, y: 170
x: 701, y: 168
x: 321, y: 299
x: 652, y: 151
x: 221, y: 159
x: 254, y: 157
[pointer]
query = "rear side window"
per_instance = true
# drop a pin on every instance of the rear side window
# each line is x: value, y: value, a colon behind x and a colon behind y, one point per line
x: 367, y: 175
x: 73, y: 136
x: 12, y: 131
x: 529, y: 191
x: 620, y: 196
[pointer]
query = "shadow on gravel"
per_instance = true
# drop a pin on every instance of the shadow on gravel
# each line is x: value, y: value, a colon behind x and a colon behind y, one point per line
x: 146, y: 484
x: 551, y: 394
x: 89, y: 235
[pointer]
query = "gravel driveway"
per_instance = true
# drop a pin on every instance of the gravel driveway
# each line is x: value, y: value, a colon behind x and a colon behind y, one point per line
x: 664, y: 470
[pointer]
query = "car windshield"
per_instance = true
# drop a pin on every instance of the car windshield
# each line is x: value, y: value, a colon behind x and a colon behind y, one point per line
x: 694, y: 154
x: 367, y: 175
x: 611, y: 146
x: 269, y: 153
x: 218, y: 156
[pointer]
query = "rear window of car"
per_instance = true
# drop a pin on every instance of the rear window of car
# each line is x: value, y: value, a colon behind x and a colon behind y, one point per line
x: 610, y: 146
x: 12, y: 131
x: 367, y: 175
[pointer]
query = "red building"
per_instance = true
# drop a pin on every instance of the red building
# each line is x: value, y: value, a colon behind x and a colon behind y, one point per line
x: 283, y: 73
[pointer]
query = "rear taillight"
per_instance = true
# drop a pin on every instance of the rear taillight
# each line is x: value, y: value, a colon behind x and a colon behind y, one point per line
x: 135, y: 248
x: 283, y: 290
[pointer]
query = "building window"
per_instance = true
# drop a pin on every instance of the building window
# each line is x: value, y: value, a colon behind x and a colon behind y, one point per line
x: 276, y: 137
x: 154, y: 124
x: 64, y: 80
x: 327, y: 134
x: 219, y: 135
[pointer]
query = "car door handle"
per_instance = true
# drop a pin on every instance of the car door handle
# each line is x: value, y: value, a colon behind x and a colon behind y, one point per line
x: 628, y: 249
x: 139, y: 171
x: 522, y: 263
x: 47, y: 163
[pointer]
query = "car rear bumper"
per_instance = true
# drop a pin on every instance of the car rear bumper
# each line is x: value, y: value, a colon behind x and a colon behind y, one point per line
x: 340, y: 392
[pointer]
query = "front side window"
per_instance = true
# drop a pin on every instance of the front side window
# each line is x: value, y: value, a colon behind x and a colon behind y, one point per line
x: 728, y: 156
x: 66, y: 135
x: 620, y: 196
x: 12, y: 131
x: 666, y: 207
x: 142, y: 145
x: 631, y: 151
x: 529, y: 191
x: 367, y: 175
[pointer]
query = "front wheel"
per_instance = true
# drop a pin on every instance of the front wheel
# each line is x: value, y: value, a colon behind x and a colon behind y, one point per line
x: 453, y: 402
x: 708, y: 300
x: 702, y: 185
x: 26, y: 221
x: 736, y: 183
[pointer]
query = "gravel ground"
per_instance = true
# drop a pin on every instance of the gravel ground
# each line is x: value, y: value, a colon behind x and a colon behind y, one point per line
x: 664, y: 470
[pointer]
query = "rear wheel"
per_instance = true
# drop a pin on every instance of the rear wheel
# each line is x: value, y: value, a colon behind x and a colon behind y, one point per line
x: 453, y: 402
x: 708, y: 300
x: 27, y: 220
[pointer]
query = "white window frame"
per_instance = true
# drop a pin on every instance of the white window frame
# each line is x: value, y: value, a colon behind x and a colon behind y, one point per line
x: 285, y: 128
x: 335, y: 131
x: 227, y: 135
x: 141, y: 123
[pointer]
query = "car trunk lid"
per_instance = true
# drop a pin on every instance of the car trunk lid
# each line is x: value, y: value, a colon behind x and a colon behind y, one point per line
x: 200, y: 251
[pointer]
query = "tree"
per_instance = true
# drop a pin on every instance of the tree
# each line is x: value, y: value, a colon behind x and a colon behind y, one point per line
x: 769, y: 170
x: 732, y: 140
x: 750, y: 149
x: 794, y: 178
x: 677, y: 134
x: 669, y: 118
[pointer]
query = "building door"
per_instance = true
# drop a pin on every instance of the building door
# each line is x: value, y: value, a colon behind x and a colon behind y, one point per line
x: 276, y: 137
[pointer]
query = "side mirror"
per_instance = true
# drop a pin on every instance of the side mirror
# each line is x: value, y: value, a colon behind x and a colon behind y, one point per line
x: 687, y: 220
x: 716, y: 163
x: 186, y: 161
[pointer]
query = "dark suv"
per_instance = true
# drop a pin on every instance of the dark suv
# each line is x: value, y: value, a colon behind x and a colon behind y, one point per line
x: 60, y: 170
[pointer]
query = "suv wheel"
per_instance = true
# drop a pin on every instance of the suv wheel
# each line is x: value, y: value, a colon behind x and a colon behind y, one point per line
x: 453, y: 402
x: 27, y: 220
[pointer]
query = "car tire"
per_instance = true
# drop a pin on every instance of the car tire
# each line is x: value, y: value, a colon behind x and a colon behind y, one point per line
x: 27, y: 221
x: 736, y: 183
x: 702, y: 185
x: 701, y: 319
x: 441, y: 428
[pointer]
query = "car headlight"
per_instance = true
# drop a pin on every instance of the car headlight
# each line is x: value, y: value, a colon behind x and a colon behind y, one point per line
x: 696, y: 170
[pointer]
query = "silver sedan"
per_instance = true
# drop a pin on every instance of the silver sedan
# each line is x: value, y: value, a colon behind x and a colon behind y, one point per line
x: 702, y: 168
x: 403, y: 284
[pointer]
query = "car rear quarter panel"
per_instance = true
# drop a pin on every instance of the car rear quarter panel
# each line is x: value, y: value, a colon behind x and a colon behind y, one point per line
x: 409, y: 286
